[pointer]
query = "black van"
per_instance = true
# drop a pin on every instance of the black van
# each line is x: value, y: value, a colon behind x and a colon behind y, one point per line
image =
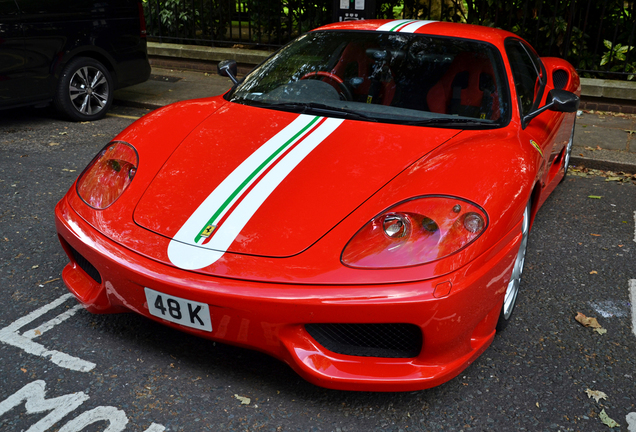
x: 74, y: 53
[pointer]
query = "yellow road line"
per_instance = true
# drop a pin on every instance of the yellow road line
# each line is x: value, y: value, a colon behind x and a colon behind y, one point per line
x: 122, y: 116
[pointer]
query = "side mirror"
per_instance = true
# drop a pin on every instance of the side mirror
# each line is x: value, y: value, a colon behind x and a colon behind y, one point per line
x: 557, y: 100
x: 228, y: 68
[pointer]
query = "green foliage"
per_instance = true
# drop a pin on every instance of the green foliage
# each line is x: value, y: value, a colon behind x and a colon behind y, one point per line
x: 615, y: 59
x: 183, y: 20
x: 568, y: 28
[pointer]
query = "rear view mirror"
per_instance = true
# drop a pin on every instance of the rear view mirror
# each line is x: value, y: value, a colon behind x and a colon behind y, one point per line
x: 557, y: 100
x: 228, y: 68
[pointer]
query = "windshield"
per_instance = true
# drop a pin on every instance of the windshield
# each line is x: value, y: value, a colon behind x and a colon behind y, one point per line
x: 385, y: 77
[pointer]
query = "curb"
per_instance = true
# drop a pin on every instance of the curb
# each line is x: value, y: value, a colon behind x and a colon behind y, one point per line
x: 603, y: 165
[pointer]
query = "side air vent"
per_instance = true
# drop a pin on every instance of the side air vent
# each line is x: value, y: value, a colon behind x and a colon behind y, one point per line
x: 369, y: 340
x: 560, y: 79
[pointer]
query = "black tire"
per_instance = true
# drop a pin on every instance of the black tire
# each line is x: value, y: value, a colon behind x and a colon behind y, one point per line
x: 512, y: 291
x: 85, y: 90
x: 568, y: 153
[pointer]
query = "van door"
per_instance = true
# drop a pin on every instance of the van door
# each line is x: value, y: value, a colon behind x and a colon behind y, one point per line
x: 11, y: 53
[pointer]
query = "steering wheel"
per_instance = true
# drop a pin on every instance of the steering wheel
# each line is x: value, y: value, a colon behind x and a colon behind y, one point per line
x: 340, y: 86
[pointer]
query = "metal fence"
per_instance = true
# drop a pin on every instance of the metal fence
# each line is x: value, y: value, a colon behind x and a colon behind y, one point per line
x: 597, y: 37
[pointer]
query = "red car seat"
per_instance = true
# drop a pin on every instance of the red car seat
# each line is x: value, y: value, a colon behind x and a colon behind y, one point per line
x: 468, y: 88
x: 355, y: 62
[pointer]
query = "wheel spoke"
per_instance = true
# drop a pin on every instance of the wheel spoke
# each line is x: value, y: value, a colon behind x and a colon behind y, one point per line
x: 98, y: 79
x: 75, y: 92
x: 100, y: 99
x: 86, y: 106
x: 82, y: 74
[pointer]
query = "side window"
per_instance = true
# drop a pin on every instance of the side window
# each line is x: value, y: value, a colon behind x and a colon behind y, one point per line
x: 526, y: 72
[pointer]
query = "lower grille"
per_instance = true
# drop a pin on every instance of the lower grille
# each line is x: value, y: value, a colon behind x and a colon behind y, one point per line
x: 86, y: 266
x: 369, y: 340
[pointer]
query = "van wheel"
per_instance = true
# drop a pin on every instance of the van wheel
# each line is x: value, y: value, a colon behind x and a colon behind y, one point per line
x: 85, y: 90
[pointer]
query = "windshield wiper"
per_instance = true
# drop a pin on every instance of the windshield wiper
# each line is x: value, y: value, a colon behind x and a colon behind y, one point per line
x: 449, y: 121
x: 320, y: 109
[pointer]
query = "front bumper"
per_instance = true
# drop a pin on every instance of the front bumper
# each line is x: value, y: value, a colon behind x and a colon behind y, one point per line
x: 456, y: 313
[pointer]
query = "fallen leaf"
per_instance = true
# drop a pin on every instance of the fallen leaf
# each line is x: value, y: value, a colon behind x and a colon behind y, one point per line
x: 593, y: 272
x: 598, y: 148
x: 23, y: 370
x: 606, y: 420
x: 597, y: 395
x: 35, y: 266
x: 244, y: 400
x: 49, y: 281
x: 54, y: 144
x: 595, y: 197
x: 614, y: 179
x: 38, y: 332
x: 600, y: 331
x: 588, y: 148
x: 587, y: 321
x: 63, y: 133
x: 595, y: 235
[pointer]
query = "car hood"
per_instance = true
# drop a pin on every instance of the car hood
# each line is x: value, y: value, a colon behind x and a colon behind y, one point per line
x: 270, y: 183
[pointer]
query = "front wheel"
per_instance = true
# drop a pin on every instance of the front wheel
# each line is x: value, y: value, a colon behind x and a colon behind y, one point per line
x: 85, y: 90
x: 568, y: 152
x: 512, y: 291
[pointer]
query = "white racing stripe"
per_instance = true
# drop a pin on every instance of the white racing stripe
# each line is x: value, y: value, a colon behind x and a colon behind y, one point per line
x: 234, y: 186
x: 392, y: 25
x: 412, y: 28
x: 403, y: 25
x: 182, y: 250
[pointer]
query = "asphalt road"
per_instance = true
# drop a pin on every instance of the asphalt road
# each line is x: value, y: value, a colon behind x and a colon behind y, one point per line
x: 62, y: 368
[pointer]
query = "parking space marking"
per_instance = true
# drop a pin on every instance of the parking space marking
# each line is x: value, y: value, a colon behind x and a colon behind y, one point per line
x: 11, y: 336
x: 33, y: 395
x: 631, y: 422
x: 632, y: 299
x: 611, y: 308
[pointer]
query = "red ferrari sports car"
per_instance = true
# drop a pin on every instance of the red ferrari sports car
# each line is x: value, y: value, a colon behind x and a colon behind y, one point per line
x: 357, y: 206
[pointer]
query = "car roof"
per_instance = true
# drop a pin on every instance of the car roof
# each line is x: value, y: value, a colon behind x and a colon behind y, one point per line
x: 440, y: 28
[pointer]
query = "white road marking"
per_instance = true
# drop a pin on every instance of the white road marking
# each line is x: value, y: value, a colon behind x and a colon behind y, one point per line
x: 33, y: 395
x: 10, y: 335
x: 631, y: 421
x: 632, y: 299
x: 116, y: 417
x: 632, y: 292
x: 611, y: 308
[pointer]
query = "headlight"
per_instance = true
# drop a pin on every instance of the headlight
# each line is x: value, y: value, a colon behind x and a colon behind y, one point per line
x: 108, y: 175
x: 415, y: 232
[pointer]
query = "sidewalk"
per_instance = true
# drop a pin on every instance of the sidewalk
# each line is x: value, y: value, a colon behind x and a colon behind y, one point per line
x: 603, y: 141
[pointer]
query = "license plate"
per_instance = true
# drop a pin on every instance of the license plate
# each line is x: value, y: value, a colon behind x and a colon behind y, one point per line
x: 178, y: 310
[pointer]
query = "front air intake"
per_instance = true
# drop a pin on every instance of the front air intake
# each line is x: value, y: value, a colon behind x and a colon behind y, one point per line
x: 86, y: 266
x: 369, y: 340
